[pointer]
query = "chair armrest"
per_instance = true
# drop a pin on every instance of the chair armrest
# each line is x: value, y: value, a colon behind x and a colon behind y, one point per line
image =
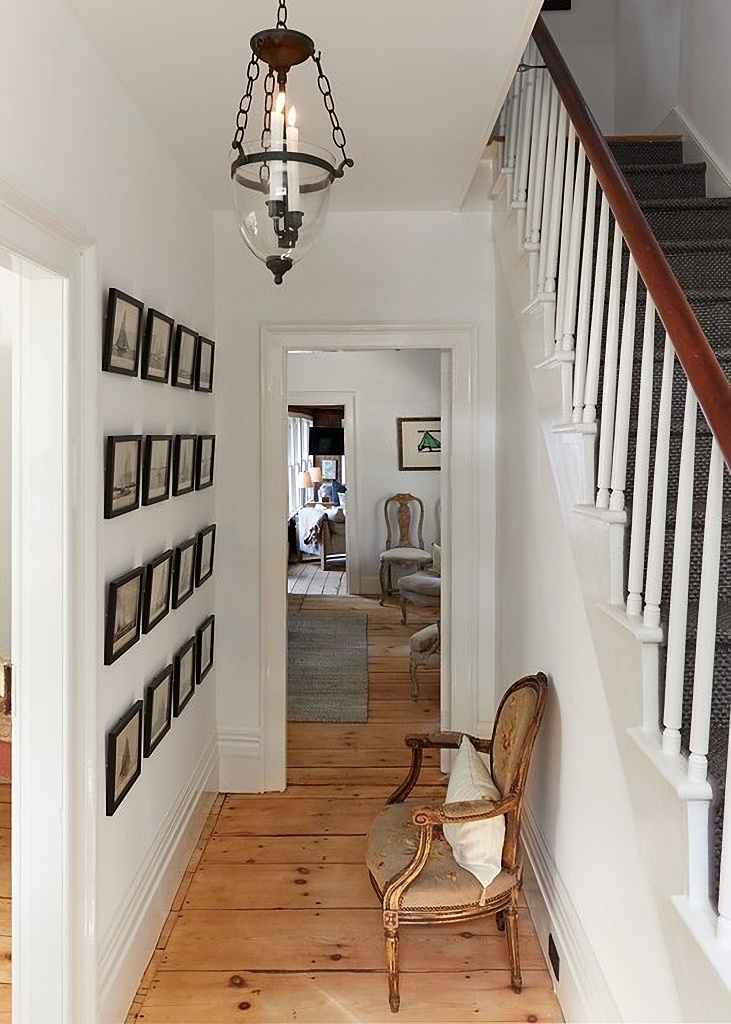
x: 446, y: 741
x: 463, y: 811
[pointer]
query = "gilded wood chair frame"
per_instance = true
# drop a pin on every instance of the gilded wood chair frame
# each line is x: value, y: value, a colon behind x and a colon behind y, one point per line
x: 429, y: 818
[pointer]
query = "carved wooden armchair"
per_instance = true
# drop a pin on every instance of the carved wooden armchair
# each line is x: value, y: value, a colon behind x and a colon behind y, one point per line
x: 416, y: 852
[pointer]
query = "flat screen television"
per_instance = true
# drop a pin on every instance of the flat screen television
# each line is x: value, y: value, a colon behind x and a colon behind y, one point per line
x: 327, y: 441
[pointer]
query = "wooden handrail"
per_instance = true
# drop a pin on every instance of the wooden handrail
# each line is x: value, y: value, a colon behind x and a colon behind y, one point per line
x: 693, y: 349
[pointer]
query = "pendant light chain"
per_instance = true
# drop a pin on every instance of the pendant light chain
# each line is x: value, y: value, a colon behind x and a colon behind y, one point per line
x: 242, y: 118
x: 338, y: 135
x: 282, y: 14
x: 269, y: 83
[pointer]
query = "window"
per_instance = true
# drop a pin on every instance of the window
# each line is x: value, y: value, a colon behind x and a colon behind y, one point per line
x: 298, y: 434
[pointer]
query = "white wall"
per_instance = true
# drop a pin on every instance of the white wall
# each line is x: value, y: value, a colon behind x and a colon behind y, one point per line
x: 8, y: 304
x: 704, y: 77
x: 577, y: 790
x: 585, y: 35
x: 75, y: 142
x: 385, y: 385
x: 380, y: 268
x: 648, y: 56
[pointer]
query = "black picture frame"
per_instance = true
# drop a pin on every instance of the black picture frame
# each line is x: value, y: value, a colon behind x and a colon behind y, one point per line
x: 156, y: 471
x: 157, y: 347
x: 184, y: 675
x: 123, y: 614
x: 205, y: 451
x: 184, y: 463
x: 204, y: 640
x: 183, y: 572
x: 158, y: 709
x: 205, y: 547
x: 124, y: 756
x: 122, y: 469
x: 184, y: 352
x: 556, y: 5
x: 158, y: 582
x: 122, y: 334
x: 205, y: 352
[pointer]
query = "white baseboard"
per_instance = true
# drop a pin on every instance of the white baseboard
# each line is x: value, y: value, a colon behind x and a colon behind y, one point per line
x: 582, y: 989
x: 131, y: 940
x: 240, y: 761
x: 696, y: 148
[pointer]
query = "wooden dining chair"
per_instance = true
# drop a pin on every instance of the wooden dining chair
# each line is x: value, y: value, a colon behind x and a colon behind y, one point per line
x: 404, y: 514
x: 432, y: 862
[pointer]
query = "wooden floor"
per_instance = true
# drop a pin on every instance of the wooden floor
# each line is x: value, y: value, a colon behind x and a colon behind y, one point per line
x: 307, y: 578
x: 275, y: 920
x: 5, y: 883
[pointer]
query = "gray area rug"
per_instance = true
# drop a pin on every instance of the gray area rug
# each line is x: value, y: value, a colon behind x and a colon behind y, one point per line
x: 327, y: 667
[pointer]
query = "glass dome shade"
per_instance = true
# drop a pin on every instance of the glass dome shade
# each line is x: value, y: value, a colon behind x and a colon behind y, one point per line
x: 281, y: 199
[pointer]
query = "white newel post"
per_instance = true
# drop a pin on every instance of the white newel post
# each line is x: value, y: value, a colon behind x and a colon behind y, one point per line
x: 635, y: 580
x: 678, y: 617
x: 705, y: 649
x: 597, y: 316
x: 609, y: 381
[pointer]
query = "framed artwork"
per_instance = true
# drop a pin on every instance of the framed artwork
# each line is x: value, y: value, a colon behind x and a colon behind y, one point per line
x: 124, y: 756
x: 184, y: 358
x: 156, y: 473
x: 204, y: 549
x: 329, y: 469
x: 419, y: 442
x: 122, y: 474
x: 204, y: 648
x: 156, y: 600
x: 184, y: 669
x: 158, y: 709
x: 184, y: 463
x: 205, y: 351
x: 122, y: 333
x: 556, y: 5
x: 183, y: 572
x: 204, y: 452
x: 124, y: 604
x: 157, y: 346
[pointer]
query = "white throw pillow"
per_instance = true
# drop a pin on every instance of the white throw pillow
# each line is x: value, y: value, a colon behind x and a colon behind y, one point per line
x: 477, y: 845
x: 436, y: 558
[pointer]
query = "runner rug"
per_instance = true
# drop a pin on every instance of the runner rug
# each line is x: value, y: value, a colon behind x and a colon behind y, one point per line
x: 327, y: 667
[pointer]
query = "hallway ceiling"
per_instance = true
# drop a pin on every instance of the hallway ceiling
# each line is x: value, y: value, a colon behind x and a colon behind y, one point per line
x: 416, y: 84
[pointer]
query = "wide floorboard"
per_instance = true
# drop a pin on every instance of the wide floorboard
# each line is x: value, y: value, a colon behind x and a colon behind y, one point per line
x: 276, y: 921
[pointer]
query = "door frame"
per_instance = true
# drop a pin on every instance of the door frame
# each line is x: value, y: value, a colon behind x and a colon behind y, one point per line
x: 347, y: 400
x: 56, y: 748
x: 459, y: 514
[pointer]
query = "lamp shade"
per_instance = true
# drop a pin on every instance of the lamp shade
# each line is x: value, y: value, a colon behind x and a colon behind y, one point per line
x: 304, y: 479
x: 315, y: 474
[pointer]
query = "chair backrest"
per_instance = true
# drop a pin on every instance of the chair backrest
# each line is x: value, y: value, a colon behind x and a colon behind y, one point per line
x: 513, y: 736
x: 404, y: 514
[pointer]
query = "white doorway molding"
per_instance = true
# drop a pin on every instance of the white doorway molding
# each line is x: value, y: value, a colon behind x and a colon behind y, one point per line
x: 352, y: 541
x: 459, y: 512
x: 56, y: 748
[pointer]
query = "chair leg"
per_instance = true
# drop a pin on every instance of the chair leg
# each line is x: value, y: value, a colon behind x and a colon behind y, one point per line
x: 511, y: 928
x: 414, y: 681
x: 403, y: 611
x: 382, y: 580
x: 390, y: 928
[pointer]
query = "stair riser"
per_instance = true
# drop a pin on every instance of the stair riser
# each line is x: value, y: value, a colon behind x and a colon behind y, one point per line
x: 644, y: 151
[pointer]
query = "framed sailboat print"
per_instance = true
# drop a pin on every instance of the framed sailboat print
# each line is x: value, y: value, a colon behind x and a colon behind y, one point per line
x: 124, y: 756
x: 122, y: 474
x: 122, y: 333
x: 419, y: 442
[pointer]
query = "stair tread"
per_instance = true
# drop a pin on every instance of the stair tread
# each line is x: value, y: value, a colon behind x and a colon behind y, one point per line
x: 706, y: 203
x: 684, y: 245
x: 691, y: 168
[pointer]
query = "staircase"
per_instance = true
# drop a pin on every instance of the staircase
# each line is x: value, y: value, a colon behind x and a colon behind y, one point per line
x: 695, y: 235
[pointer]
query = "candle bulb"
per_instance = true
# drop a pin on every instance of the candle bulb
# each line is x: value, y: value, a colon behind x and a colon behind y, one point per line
x: 293, y: 167
x: 276, y: 185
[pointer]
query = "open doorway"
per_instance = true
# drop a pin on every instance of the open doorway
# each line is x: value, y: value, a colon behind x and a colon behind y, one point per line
x: 456, y: 348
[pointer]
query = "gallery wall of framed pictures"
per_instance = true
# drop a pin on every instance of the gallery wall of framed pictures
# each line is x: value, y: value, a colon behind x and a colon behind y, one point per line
x: 145, y: 469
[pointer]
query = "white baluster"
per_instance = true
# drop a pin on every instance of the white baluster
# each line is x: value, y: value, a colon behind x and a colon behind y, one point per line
x: 597, y: 316
x: 705, y: 648
x: 678, y: 617
x: 530, y: 185
x: 609, y: 381
x: 723, y: 925
x: 537, y: 172
x: 554, y: 227
x: 564, y: 238
x: 523, y: 77
x: 582, y: 325
x: 505, y: 116
x: 574, y: 258
x: 512, y: 136
x: 624, y: 391
x: 520, y: 192
x: 635, y: 579
x: 658, y: 515
x: 548, y: 186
